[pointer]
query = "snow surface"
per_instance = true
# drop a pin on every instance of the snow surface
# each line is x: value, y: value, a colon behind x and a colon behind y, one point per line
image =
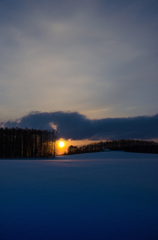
x: 97, y: 196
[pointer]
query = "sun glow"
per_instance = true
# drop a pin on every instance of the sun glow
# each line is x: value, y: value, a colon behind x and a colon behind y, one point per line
x: 61, y: 144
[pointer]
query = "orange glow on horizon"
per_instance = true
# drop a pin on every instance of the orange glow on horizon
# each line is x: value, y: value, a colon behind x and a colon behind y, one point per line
x: 67, y: 143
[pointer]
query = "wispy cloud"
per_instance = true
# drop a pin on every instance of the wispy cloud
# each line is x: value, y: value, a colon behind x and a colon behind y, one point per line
x: 78, y: 56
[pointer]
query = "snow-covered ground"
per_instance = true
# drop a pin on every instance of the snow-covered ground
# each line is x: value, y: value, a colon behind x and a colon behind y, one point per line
x: 96, y: 196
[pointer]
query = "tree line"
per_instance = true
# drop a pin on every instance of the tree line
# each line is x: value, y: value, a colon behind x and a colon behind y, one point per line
x: 27, y: 143
x: 128, y: 145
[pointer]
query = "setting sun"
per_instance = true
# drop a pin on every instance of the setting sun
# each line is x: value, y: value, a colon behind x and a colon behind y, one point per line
x: 61, y: 144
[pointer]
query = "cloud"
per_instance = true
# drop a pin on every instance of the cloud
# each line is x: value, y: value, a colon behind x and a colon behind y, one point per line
x: 72, y: 125
x: 78, y: 56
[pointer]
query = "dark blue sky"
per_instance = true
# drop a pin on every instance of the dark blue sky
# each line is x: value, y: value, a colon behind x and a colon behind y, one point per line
x: 96, y: 57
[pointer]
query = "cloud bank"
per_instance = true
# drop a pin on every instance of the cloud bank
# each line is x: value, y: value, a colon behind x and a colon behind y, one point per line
x: 72, y: 125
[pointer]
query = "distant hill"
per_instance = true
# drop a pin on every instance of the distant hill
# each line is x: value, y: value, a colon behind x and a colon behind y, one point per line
x: 129, y: 145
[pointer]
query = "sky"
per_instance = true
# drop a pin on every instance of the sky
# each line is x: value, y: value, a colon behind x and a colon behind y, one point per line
x: 93, y: 58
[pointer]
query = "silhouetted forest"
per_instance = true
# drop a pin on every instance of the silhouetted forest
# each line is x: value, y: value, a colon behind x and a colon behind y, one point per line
x: 126, y: 145
x: 27, y: 143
